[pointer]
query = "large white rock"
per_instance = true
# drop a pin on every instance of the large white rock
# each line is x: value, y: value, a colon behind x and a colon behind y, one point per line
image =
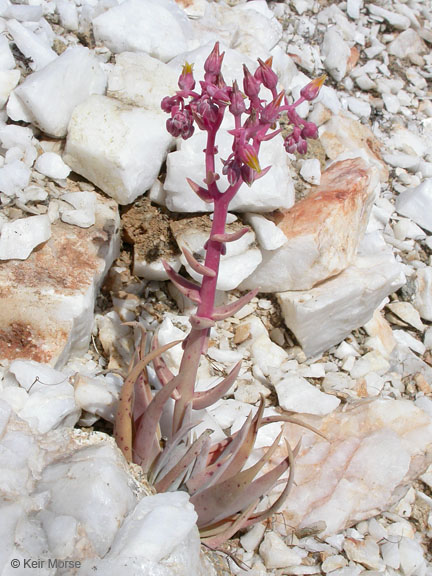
x: 322, y: 231
x: 160, y: 28
x: 345, y: 302
x: 49, y: 95
x: 240, y: 260
x: 416, y: 203
x: 372, y: 453
x: 19, y: 238
x: 140, y: 80
x: 70, y: 494
x: 118, y: 147
x: 47, y: 300
x: 271, y: 192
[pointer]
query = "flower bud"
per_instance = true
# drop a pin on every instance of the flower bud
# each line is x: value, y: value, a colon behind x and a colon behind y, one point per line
x: 309, y: 130
x: 213, y: 63
x: 249, y: 156
x: 247, y: 174
x: 302, y: 147
x: 266, y: 75
x: 237, y: 106
x: 251, y: 86
x: 311, y: 90
x: 186, y: 80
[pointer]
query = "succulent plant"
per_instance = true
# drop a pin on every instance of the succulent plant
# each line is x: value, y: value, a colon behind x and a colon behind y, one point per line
x: 225, y: 493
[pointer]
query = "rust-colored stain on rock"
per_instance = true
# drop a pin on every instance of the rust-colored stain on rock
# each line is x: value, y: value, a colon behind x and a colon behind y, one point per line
x: 67, y: 262
x: 333, y: 194
x: 20, y: 340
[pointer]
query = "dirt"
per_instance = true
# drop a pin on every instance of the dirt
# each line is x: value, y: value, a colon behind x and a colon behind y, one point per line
x: 147, y: 228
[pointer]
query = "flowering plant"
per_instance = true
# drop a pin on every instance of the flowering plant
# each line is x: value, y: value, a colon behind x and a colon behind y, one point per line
x: 224, y: 494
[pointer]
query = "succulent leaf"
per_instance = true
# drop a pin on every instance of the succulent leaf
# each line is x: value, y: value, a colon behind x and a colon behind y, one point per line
x: 228, y: 310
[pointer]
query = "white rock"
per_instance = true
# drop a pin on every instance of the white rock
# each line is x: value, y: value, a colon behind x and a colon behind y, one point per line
x: 407, y: 42
x: 416, y: 203
x: 390, y: 554
x: 269, y: 236
x: 68, y: 14
x: 365, y: 552
x: 51, y: 164
x: 31, y: 45
x: 396, y: 20
x: 406, y: 339
x: 117, y: 147
x: 19, y: 238
x: 267, y: 354
x: 8, y: 81
x: 276, y: 554
x: 296, y: 394
x: 162, y: 30
x: 353, y: 8
x: 266, y: 194
x: 311, y: 171
x: 253, y: 537
x: 14, y: 176
x: 98, y: 395
x: 155, y: 527
x: 84, y: 203
x: 407, y: 313
x: 405, y: 228
x: 333, y: 563
x: 25, y: 13
x: 412, y: 559
x: 49, y: 95
x: 140, y: 80
x: 7, y: 61
x: 336, y: 53
x: 370, y: 362
x: 337, y: 383
x: 91, y: 478
x: 423, y: 295
x: 364, y: 441
x: 345, y: 302
x: 359, y: 107
x: 50, y: 401
x: 155, y: 270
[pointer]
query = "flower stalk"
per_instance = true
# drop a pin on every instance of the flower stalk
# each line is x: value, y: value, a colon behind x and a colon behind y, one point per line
x: 223, y: 492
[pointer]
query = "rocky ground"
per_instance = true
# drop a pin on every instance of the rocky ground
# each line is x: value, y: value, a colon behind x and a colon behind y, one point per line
x: 339, y: 333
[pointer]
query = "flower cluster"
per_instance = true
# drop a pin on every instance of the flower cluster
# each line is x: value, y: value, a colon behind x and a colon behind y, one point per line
x: 207, y: 107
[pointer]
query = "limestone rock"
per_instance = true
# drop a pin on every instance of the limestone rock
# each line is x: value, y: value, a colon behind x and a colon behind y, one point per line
x: 47, y: 300
x: 140, y: 80
x: 48, y: 96
x: 160, y: 29
x: 384, y: 445
x: 69, y: 494
x: 119, y: 148
x: 345, y: 302
x: 322, y: 230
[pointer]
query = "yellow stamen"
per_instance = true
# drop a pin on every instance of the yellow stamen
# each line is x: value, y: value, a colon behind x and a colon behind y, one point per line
x: 187, y: 68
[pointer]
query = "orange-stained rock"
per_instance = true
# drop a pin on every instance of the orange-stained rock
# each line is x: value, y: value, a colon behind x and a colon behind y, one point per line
x: 323, y: 230
x: 47, y: 301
